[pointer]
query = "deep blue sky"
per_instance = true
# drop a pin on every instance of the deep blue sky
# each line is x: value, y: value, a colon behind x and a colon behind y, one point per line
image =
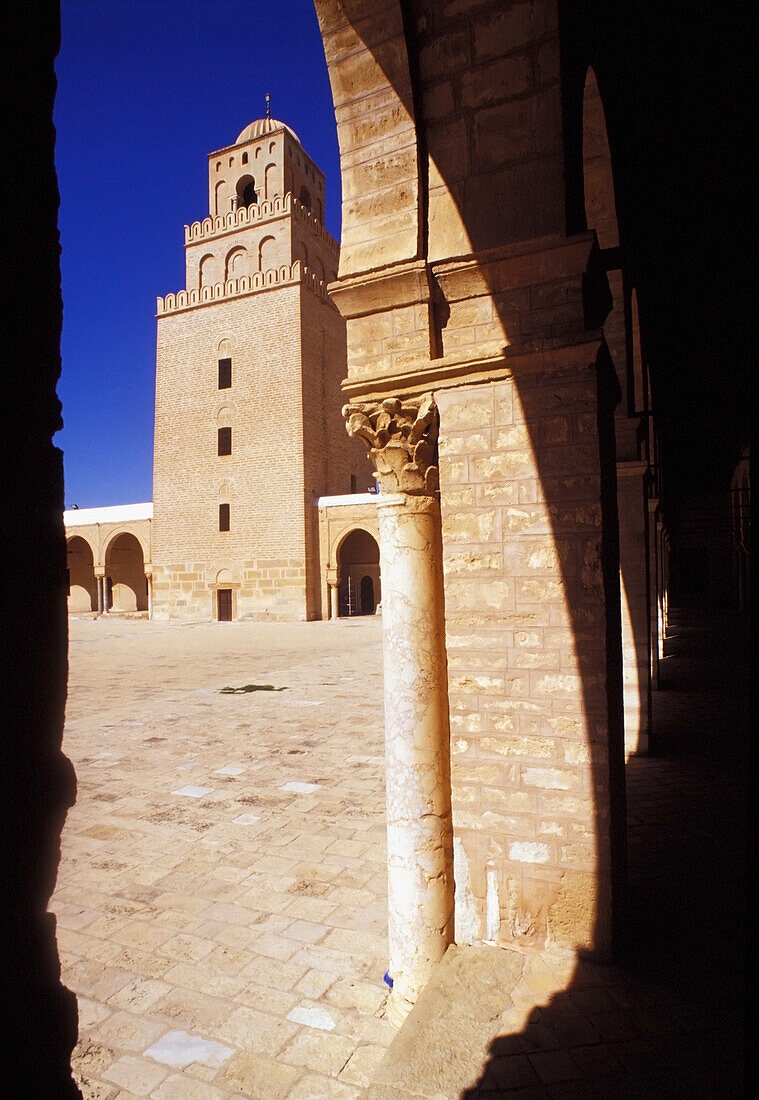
x: 145, y: 90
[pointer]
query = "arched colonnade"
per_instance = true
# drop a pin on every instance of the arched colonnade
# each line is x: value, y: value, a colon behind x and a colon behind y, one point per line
x: 108, y: 557
x: 490, y: 339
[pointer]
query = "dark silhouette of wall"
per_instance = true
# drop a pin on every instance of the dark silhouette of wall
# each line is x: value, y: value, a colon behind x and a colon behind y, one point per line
x: 40, y: 1025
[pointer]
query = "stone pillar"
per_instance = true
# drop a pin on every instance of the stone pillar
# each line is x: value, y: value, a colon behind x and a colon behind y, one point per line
x: 149, y: 580
x: 634, y: 577
x: 333, y: 581
x: 402, y: 441
x: 99, y: 583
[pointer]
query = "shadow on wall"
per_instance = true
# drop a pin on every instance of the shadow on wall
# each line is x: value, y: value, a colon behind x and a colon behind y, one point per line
x: 669, y: 1019
x: 512, y: 191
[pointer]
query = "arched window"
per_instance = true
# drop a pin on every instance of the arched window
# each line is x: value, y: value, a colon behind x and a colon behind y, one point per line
x: 267, y: 253
x: 244, y: 158
x: 247, y: 194
x: 224, y: 360
x: 270, y: 181
x: 205, y: 271
x: 305, y: 197
x: 235, y: 265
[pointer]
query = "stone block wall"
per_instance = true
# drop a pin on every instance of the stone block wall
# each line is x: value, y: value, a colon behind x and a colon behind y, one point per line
x: 265, y: 548
x: 522, y: 516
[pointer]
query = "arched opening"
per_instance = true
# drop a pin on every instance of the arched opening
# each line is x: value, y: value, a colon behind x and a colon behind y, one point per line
x: 235, y: 263
x: 305, y: 197
x: 358, y: 562
x: 205, y: 271
x: 247, y: 194
x: 81, y: 576
x: 270, y: 178
x: 267, y: 253
x: 125, y: 570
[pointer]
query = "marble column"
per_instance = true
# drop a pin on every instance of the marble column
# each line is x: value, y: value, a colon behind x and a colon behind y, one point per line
x: 402, y: 442
x: 99, y: 584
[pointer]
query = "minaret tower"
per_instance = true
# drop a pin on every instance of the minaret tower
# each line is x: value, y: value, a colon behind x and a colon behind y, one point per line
x: 250, y: 356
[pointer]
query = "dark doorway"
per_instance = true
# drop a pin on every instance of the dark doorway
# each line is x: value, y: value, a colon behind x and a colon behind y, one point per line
x: 224, y: 604
x: 368, y: 605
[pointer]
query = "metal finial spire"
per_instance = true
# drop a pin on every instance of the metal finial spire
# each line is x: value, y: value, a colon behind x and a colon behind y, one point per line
x: 267, y: 97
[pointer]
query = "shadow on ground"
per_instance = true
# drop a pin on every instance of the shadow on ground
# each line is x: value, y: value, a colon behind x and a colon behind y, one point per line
x: 668, y: 1019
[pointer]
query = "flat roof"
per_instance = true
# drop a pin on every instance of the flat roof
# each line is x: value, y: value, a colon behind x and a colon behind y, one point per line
x: 114, y: 513
x: 348, y: 498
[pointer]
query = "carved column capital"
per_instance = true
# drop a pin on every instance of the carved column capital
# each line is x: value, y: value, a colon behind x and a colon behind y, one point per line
x: 401, y: 438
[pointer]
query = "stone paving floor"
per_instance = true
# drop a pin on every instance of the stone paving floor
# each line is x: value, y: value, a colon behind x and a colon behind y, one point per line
x: 242, y: 923
x: 221, y: 900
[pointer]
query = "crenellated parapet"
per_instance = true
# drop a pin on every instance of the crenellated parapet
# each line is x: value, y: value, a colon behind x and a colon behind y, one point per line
x: 259, y: 214
x: 315, y: 227
x: 287, y: 274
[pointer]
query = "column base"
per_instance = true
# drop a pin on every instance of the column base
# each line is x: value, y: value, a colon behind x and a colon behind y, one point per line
x: 397, y: 1008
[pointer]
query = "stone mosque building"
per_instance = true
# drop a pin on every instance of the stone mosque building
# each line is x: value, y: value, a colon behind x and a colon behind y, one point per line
x: 480, y: 332
x: 256, y: 512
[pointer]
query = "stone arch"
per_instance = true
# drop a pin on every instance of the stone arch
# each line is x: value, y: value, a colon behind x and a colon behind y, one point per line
x: 247, y: 194
x: 206, y: 272
x: 269, y: 181
x: 80, y: 563
x: 224, y: 349
x: 125, y: 557
x: 375, y: 60
x: 224, y: 416
x: 218, y: 193
x: 443, y: 206
x: 267, y: 253
x: 235, y: 264
x: 356, y: 553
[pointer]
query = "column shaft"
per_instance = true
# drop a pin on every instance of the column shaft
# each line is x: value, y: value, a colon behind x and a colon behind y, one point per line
x: 420, y: 845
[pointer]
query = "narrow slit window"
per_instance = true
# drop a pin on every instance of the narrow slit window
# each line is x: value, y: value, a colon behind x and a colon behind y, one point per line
x: 224, y: 441
x: 223, y: 517
x: 225, y: 374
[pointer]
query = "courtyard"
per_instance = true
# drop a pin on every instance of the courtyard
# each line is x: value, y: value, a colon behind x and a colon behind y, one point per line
x: 221, y: 901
